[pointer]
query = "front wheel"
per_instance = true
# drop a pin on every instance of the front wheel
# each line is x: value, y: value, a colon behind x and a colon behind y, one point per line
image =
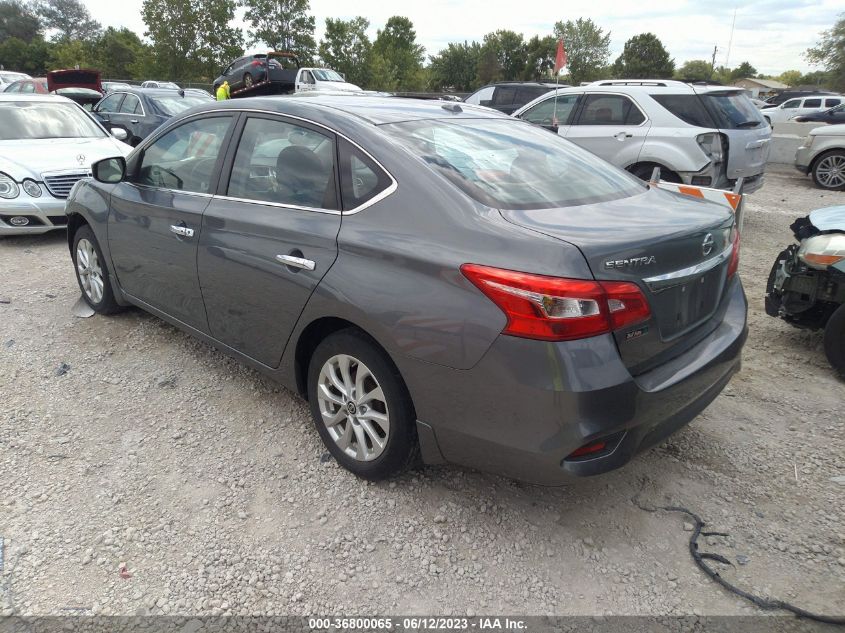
x: 834, y: 340
x: 91, y: 272
x: 361, y: 407
x: 829, y: 171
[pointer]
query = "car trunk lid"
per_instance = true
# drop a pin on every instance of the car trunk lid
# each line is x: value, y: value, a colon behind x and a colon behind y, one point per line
x: 675, y: 248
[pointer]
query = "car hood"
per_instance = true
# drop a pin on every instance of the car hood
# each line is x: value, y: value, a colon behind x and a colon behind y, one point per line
x: 337, y: 85
x: 829, y: 130
x: 829, y: 218
x: 29, y: 158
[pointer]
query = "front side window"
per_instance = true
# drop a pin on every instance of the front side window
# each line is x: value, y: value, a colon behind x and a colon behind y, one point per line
x: 813, y: 103
x: 173, y: 105
x: 609, y: 110
x: 284, y: 163
x: 131, y: 105
x: 361, y: 179
x: 509, y: 164
x: 548, y: 113
x: 482, y: 97
x: 184, y: 158
x: 42, y: 119
x: 792, y: 103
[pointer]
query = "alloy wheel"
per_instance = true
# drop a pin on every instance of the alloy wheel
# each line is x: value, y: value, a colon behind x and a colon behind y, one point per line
x: 353, y: 407
x: 89, y: 270
x: 830, y: 172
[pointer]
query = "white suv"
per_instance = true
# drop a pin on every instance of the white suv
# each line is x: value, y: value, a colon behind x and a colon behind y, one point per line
x: 800, y: 105
x: 697, y: 134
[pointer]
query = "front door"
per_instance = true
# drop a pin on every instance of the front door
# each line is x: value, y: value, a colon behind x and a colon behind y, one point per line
x: 156, y: 217
x: 611, y: 126
x: 270, y: 235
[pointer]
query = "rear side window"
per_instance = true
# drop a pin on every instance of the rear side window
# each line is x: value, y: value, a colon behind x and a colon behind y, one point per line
x: 609, y: 110
x: 829, y: 103
x: 361, y: 179
x: 131, y: 105
x: 688, y: 108
x: 813, y: 103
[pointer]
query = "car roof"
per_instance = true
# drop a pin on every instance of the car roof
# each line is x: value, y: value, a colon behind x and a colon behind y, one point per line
x: 29, y: 96
x: 150, y: 92
x: 372, y: 109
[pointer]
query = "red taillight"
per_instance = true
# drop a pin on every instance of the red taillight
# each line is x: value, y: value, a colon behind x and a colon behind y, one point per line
x: 733, y: 264
x: 588, y: 449
x: 257, y: 62
x: 558, y: 309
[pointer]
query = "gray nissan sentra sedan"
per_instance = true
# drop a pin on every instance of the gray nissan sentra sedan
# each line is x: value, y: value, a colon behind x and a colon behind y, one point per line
x: 436, y: 279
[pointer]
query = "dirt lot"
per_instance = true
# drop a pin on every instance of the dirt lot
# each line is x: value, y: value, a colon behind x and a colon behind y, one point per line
x: 157, y: 451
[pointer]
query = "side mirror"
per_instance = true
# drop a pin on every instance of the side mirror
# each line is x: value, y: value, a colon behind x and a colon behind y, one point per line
x: 109, y: 170
x: 119, y: 133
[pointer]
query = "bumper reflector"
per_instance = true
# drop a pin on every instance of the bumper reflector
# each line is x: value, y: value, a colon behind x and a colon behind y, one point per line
x: 588, y: 449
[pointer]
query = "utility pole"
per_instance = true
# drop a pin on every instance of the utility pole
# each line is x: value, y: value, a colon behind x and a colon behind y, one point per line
x: 713, y: 62
x: 730, y: 41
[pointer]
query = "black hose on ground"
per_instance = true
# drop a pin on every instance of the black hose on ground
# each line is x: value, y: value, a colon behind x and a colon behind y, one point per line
x: 700, y: 559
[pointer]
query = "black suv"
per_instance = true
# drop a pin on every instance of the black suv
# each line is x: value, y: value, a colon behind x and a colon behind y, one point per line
x: 509, y: 96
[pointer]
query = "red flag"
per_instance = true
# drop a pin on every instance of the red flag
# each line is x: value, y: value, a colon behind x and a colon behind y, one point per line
x: 560, y: 57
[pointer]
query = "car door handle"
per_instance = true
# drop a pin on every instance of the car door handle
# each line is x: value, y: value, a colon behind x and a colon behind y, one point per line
x: 184, y: 231
x: 296, y: 262
x: 621, y: 136
x: 133, y: 120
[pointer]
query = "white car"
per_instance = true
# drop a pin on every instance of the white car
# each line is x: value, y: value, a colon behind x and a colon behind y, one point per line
x: 801, y: 105
x: 697, y: 134
x: 822, y: 155
x: 47, y: 144
x: 8, y: 77
x: 167, y: 85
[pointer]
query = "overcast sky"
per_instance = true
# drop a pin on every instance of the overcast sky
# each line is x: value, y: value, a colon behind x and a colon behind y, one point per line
x: 770, y: 34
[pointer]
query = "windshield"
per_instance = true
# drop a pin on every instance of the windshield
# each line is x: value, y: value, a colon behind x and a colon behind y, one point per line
x: 172, y: 106
x: 35, y: 120
x: 8, y: 77
x: 324, y: 74
x: 732, y: 110
x: 512, y: 164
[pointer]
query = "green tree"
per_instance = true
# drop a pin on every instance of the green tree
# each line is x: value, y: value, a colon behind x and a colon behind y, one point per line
x: 455, y: 67
x: 816, y: 78
x: 192, y: 39
x: 587, y: 49
x: 346, y: 48
x: 283, y: 25
x: 488, y: 69
x: 396, y: 46
x: 830, y: 54
x: 644, y: 57
x: 18, y: 20
x: 116, y: 52
x: 69, y: 19
x: 790, y: 77
x: 743, y: 71
x: 539, y: 58
x: 71, y: 53
x: 695, y: 70
x: 510, y: 52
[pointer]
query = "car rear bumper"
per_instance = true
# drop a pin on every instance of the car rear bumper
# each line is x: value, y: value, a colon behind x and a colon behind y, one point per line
x: 42, y: 215
x: 527, y: 405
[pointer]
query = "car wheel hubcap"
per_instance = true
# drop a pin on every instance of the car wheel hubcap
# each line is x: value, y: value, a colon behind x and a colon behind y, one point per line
x: 248, y: 80
x: 831, y: 171
x: 89, y: 271
x: 353, y: 407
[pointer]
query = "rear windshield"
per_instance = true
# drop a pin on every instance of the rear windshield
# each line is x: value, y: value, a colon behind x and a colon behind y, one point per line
x: 732, y: 110
x: 172, y: 106
x: 39, y: 119
x: 513, y: 164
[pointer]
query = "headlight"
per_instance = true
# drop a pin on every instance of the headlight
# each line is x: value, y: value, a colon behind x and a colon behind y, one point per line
x: 821, y: 251
x: 8, y: 188
x: 32, y: 188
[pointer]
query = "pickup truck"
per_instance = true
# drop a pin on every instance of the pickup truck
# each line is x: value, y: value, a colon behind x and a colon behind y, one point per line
x: 278, y: 73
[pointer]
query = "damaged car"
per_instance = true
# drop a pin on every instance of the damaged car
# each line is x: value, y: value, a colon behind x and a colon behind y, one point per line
x: 806, y: 286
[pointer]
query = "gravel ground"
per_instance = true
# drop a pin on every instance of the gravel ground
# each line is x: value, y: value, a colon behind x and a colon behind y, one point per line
x: 208, y: 483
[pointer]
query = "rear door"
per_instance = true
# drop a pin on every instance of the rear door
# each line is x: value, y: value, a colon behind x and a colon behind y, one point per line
x: 156, y: 216
x: 270, y: 234
x: 611, y: 126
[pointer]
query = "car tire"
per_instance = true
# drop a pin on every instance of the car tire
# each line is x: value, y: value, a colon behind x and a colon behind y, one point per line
x: 645, y: 170
x: 91, y: 272
x: 834, y: 340
x: 371, y: 434
x: 248, y: 82
x: 829, y: 170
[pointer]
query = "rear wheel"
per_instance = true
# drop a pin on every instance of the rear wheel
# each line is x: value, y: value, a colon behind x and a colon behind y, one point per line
x: 834, y: 340
x: 360, y: 405
x: 829, y: 170
x: 248, y: 81
x: 91, y: 272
